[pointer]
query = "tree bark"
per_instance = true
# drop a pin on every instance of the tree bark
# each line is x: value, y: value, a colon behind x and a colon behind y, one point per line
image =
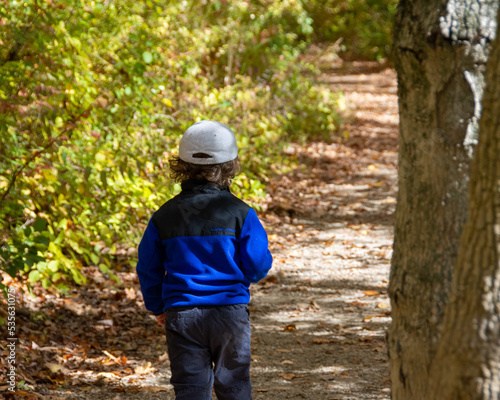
x: 467, y: 363
x: 440, y: 51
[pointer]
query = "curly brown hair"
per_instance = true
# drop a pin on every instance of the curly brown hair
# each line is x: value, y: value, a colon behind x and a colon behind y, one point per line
x: 219, y: 175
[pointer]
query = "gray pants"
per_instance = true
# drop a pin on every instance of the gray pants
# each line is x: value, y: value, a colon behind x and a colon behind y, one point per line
x: 209, y: 346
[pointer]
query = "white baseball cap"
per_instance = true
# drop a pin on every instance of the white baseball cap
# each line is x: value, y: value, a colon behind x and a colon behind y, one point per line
x: 208, y: 142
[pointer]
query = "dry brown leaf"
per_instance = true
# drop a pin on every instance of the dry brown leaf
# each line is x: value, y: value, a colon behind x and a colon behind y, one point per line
x: 271, y: 279
x: 130, y: 293
x: 105, y: 322
x: 358, y: 303
x: 54, y: 368
x: 144, y: 368
x: 77, y: 308
x: 163, y: 358
x: 314, y: 304
x: 282, y: 351
x: 286, y: 376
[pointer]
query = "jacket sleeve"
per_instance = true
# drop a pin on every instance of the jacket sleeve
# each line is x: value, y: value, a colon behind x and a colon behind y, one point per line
x: 256, y: 259
x: 150, y: 269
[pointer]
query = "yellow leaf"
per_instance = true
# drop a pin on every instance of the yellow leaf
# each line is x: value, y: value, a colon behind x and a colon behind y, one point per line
x: 4, y: 182
x: 371, y: 293
x: 59, y: 122
x: 167, y: 102
x: 49, y: 175
x: 100, y: 157
x: 149, y: 167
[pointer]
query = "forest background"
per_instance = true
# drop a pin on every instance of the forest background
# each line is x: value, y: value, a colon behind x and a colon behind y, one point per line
x: 94, y: 96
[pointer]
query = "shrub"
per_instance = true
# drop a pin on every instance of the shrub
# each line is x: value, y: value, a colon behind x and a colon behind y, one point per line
x: 93, y: 101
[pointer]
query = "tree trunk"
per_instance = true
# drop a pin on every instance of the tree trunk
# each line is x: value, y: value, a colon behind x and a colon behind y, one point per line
x: 467, y: 363
x: 440, y: 50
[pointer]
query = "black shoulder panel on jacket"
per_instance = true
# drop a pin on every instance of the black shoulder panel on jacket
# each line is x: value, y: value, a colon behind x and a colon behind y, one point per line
x: 201, y: 213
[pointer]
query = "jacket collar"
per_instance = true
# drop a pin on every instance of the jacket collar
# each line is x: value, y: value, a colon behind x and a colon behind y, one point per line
x: 200, y: 186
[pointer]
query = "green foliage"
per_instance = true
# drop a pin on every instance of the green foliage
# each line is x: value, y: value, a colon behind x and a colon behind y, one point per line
x: 362, y: 27
x: 94, y: 96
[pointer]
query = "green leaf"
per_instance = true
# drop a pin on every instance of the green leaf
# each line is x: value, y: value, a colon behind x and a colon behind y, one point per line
x: 94, y: 257
x: 147, y: 57
x: 40, y: 224
x: 53, y: 265
x: 104, y: 268
x: 34, y: 276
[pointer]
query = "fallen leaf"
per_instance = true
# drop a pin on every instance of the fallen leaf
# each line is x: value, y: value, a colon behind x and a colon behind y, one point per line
x: 77, y: 308
x: 371, y: 293
x: 54, y: 368
x: 163, y: 358
x: 271, y: 279
x: 105, y: 322
x: 144, y: 368
x: 282, y: 351
x: 110, y: 355
x: 314, y: 304
x: 290, y: 327
x: 130, y: 293
x: 286, y: 376
x: 357, y: 303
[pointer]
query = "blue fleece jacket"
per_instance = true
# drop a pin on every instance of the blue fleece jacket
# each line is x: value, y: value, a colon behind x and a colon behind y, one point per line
x: 203, y: 247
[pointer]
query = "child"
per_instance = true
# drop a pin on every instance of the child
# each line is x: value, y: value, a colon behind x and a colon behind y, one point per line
x: 197, y: 258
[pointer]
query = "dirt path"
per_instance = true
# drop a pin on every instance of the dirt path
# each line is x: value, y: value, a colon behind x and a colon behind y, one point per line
x: 318, y: 320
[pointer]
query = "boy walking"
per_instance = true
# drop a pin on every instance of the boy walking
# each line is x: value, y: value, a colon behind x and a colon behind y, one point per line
x: 197, y: 258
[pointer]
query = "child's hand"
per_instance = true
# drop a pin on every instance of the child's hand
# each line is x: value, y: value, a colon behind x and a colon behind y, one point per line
x: 161, y: 319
